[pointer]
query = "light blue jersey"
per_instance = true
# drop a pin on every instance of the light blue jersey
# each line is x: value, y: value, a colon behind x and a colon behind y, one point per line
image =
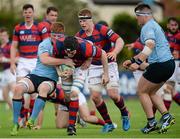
x: 161, y: 51
x: 45, y: 70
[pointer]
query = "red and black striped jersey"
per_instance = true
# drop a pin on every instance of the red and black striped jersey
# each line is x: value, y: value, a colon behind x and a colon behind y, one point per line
x: 102, y: 37
x: 84, y: 51
x: 28, y: 39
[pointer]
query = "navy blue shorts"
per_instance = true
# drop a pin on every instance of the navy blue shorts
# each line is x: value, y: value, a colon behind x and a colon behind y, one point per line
x: 37, y: 80
x: 159, y: 72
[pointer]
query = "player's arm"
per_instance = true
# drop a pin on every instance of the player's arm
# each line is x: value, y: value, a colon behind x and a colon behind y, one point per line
x: 13, y: 52
x: 147, y: 50
x: 142, y: 56
x: 104, y: 61
x: 48, y: 60
x: 118, y: 45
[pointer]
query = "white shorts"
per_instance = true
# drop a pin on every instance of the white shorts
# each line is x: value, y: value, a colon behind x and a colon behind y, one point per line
x: 25, y: 66
x: 79, y: 78
x: 95, y: 75
x: 137, y: 75
x: 7, y: 77
x: 176, y: 75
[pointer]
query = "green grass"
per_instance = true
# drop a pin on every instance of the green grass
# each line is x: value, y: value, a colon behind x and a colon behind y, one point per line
x: 138, y: 121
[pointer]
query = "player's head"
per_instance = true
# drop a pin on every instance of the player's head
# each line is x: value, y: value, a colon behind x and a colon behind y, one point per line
x: 28, y: 12
x: 173, y: 25
x: 70, y: 45
x: 143, y: 13
x: 85, y: 19
x: 102, y: 22
x: 52, y: 14
x: 4, y: 35
x: 57, y: 29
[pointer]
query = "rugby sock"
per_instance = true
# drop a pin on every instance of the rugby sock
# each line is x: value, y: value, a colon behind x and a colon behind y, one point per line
x: 38, y: 106
x: 17, y: 104
x: 73, y: 109
x: 122, y: 107
x: 176, y: 98
x: 167, y: 104
x: 100, y: 122
x: 31, y: 105
x: 104, y: 112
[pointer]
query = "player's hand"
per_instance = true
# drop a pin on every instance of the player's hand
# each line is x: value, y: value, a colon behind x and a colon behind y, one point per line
x: 13, y: 69
x: 127, y: 63
x: 105, y: 79
x: 86, y: 64
x: 69, y: 62
x: 112, y: 55
x: 133, y: 67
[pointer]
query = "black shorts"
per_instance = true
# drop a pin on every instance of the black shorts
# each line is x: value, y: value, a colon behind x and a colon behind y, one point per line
x: 37, y: 80
x: 159, y: 72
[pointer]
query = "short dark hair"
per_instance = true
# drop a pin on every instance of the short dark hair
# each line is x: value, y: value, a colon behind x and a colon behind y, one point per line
x: 3, y: 29
x: 51, y: 8
x: 173, y: 19
x: 70, y: 43
x: 142, y: 6
x: 26, y: 6
x: 102, y: 22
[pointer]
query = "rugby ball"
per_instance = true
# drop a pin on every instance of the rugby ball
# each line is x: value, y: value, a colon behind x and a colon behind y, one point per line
x: 64, y: 67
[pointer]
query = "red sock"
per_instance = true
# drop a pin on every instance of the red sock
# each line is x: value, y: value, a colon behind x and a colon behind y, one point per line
x: 122, y: 107
x: 100, y: 122
x: 73, y: 109
x: 104, y: 112
x: 176, y: 98
x: 167, y: 104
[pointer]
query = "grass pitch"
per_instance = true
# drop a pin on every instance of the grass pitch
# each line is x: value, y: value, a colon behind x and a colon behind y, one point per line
x: 138, y: 120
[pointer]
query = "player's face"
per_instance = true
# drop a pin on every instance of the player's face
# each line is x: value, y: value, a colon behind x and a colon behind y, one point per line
x: 28, y: 15
x: 70, y: 53
x: 52, y: 16
x: 140, y: 20
x: 85, y: 24
x: 4, y: 36
x: 173, y: 26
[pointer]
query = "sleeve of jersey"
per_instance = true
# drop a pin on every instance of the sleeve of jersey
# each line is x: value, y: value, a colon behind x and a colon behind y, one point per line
x: 44, y: 31
x: 177, y: 44
x: 16, y: 34
x: 93, y: 51
x: 138, y: 45
x: 109, y: 33
x: 43, y: 48
x: 148, y: 33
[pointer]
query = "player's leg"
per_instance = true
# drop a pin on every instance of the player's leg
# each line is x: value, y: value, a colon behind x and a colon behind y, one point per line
x: 113, y: 92
x: 62, y: 117
x: 45, y: 87
x: 85, y: 113
x: 24, y: 85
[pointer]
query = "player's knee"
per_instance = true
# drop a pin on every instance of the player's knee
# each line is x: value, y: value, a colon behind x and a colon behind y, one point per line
x: 18, y: 90
x: 74, y: 95
x: 96, y: 97
x: 113, y: 94
x: 45, y: 88
x: 85, y: 118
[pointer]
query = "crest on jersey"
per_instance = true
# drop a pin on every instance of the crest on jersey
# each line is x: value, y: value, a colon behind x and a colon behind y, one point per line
x: 22, y: 32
